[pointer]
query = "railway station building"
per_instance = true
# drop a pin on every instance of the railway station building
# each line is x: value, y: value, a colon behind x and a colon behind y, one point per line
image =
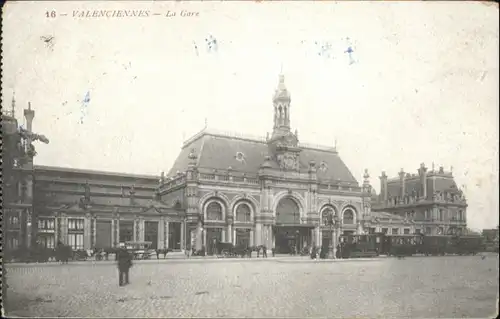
x: 273, y: 190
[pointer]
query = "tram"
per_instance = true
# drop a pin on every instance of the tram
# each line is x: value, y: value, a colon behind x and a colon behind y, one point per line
x: 360, y: 246
x: 372, y: 245
x: 402, y: 245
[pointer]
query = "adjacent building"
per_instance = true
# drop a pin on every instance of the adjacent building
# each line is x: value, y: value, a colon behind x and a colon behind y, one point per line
x: 18, y: 152
x: 428, y: 202
x: 90, y: 209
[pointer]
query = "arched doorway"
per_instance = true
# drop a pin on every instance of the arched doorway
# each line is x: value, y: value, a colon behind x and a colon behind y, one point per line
x: 287, y: 212
x: 214, y: 213
x: 243, y: 217
x: 291, y: 237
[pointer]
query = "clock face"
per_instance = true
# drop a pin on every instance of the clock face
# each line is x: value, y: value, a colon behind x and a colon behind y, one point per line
x: 289, y: 162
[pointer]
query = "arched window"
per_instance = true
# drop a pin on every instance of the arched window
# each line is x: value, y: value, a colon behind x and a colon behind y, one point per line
x: 288, y: 212
x: 214, y: 211
x: 243, y: 213
x: 348, y: 216
x: 326, y: 215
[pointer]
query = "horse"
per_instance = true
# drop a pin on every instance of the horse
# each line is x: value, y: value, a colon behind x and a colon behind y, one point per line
x: 163, y: 251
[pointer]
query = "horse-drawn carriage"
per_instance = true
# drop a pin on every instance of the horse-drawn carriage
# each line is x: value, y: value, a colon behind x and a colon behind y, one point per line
x: 139, y: 249
x: 227, y: 249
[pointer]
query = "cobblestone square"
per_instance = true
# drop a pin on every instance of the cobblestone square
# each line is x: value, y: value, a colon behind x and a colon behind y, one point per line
x: 448, y: 287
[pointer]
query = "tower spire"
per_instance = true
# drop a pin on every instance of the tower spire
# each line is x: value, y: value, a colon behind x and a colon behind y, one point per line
x: 281, y: 103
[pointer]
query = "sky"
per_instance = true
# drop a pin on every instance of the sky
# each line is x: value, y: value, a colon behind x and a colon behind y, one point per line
x: 122, y: 93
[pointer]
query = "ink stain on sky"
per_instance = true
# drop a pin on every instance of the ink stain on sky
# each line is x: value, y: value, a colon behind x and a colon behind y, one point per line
x: 48, y: 40
x: 212, y: 44
x: 196, y: 49
x: 84, y: 107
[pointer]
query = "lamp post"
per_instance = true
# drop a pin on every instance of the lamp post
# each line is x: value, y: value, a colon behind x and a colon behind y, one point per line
x: 185, y: 235
x: 297, y: 244
x: 334, y: 223
x: 184, y: 226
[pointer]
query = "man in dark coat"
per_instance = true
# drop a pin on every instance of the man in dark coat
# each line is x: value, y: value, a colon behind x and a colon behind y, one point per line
x: 124, y: 264
x: 264, y: 251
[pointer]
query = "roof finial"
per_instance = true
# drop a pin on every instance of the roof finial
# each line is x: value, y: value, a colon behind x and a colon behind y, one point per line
x: 13, y: 104
x: 281, y: 76
x: 335, y: 146
x: 206, y: 122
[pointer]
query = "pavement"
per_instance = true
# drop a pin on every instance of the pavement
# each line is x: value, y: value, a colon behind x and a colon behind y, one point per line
x: 290, y: 287
x: 182, y: 258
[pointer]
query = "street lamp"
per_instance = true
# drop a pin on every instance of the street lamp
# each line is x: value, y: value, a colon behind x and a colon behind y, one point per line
x: 183, y: 213
x: 334, y: 223
x: 297, y: 239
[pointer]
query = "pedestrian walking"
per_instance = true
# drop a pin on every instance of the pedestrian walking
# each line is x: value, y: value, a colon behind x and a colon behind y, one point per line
x: 124, y: 265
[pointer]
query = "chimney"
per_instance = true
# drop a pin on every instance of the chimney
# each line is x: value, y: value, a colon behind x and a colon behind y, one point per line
x: 383, y: 186
x: 29, y: 114
x: 402, y: 176
x: 422, y: 172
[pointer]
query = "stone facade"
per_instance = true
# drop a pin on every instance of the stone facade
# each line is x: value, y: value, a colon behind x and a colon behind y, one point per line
x: 17, y: 178
x: 273, y: 191
x: 279, y: 183
x: 430, y: 201
x: 89, y: 209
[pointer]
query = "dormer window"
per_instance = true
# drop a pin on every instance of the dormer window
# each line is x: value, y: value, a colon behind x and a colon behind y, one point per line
x: 240, y: 156
x: 323, y: 166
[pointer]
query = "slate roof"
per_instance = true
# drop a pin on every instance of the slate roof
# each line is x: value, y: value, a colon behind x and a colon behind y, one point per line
x: 442, y: 183
x: 56, y: 172
x: 217, y: 151
x: 385, y: 216
x: 107, y: 201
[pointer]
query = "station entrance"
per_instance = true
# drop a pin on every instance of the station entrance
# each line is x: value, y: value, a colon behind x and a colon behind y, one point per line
x: 291, y: 237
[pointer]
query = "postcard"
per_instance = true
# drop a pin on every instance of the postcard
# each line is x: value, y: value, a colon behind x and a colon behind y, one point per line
x: 264, y: 159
